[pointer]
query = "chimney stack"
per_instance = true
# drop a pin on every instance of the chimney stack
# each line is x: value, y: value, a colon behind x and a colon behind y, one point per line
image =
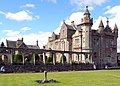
x: 37, y: 42
x: 72, y: 23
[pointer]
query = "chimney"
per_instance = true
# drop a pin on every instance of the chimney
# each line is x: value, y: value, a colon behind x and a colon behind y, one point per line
x: 37, y: 42
x: 22, y: 38
x: 72, y: 23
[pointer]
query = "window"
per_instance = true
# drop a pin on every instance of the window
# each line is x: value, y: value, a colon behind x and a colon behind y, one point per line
x: 63, y: 32
x: 77, y: 41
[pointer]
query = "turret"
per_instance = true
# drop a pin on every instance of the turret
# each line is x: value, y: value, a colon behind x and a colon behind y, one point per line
x: 86, y: 24
x: 87, y: 20
x: 87, y: 14
x: 101, y: 27
x: 107, y: 28
x: 115, y: 30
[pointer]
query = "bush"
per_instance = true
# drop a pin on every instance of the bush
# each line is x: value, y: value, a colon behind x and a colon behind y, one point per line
x: 63, y: 57
x: 2, y: 44
x: 1, y: 60
x: 49, y: 59
x: 18, y: 58
x: 36, y: 57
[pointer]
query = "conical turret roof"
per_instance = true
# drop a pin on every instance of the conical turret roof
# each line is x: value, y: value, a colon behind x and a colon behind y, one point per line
x: 115, y: 27
x: 86, y: 11
x: 101, y: 24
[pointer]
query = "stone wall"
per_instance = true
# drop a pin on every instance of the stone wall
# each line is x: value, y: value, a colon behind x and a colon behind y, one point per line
x: 42, y: 67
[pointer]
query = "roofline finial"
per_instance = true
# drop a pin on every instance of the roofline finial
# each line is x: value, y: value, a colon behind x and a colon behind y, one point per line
x: 107, y: 21
x: 86, y: 7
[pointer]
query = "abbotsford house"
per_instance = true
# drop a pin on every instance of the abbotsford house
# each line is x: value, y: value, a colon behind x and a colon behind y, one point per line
x: 79, y: 44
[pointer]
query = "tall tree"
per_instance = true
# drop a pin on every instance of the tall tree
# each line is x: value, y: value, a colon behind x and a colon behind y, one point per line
x: 2, y: 44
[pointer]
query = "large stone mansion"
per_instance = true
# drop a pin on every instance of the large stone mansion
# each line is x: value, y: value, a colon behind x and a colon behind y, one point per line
x: 102, y: 43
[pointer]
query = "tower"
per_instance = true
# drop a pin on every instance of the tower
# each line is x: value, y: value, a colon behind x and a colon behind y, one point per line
x: 85, y: 27
x: 101, y: 27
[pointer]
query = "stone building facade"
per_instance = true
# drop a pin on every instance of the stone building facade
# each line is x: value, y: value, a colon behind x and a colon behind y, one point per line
x: 102, y: 43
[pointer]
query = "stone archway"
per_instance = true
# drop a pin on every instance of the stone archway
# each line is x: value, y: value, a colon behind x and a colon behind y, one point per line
x: 5, y: 57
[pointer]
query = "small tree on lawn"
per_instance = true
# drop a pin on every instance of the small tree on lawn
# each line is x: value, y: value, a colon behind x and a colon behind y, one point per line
x: 49, y: 59
x: 18, y: 58
x: 2, y: 44
x: 35, y: 58
x: 63, y: 59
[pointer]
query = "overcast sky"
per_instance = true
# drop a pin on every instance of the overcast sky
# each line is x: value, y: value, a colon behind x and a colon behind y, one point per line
x: 37, y: 19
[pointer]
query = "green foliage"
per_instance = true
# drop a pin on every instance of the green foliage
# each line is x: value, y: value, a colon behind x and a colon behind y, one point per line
x: 1, y: 60
x: 63, y: 58
x: 18, y: 58
x: 35, y: 57
x: 50, y: 59
x: 2, y: 44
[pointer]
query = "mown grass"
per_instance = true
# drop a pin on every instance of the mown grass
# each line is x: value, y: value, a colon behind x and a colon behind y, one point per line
x: 79, y: 78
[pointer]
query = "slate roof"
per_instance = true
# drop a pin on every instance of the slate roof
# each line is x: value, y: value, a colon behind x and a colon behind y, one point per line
x: 11, y: 44
x: 33, y: 47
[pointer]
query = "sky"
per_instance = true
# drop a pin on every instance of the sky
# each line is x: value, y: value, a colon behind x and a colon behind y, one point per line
x: 37, y: 19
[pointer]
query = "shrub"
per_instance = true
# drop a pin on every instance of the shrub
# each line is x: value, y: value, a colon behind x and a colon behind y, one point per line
x: 63, y: 57
x: 49, y: 59
x: 2, y: 44
x: 36, y: 57
x: 1, y: 60
x: 18, y: 58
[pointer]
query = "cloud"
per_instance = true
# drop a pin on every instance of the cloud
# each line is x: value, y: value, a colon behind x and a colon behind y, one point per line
x: 81, y: 3
x: 37, y: 17
x: 108, y: 7
x: 28, y: 6
x: 25, y: 28
x: 42, y: 38
x: 97, y: 22
x: 114, y: 12
x: 76, y: 17
x: 11, y: 33
x: 19, y: 16
x: 29, y: 39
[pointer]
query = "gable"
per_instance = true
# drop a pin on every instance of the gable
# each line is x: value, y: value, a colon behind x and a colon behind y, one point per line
x: 23, y: 45
x: 63, y: 31
x: 77, y: 33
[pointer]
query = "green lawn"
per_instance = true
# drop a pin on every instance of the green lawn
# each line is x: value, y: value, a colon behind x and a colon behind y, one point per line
x: 81, y: 78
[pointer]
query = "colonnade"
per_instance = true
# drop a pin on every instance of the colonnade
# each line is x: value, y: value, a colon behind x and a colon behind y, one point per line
x: 43, y: 52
